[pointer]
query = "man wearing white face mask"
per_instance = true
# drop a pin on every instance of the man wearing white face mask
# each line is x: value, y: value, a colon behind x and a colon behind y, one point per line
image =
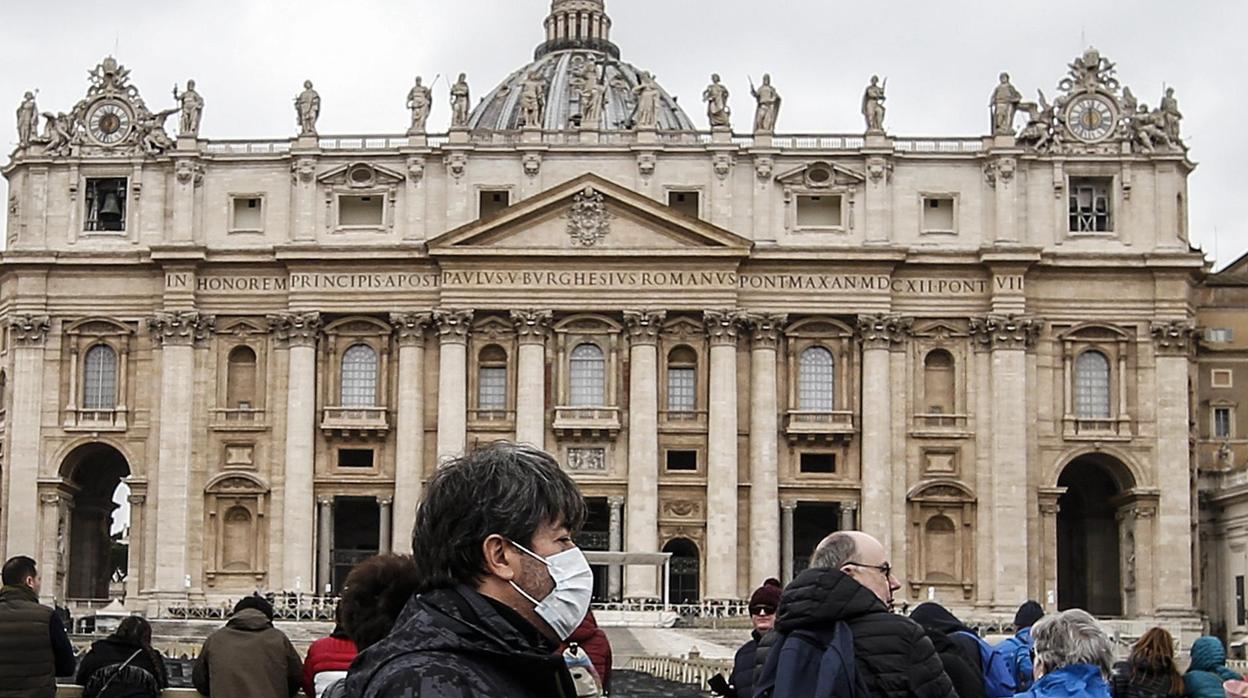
x: 501, y: 584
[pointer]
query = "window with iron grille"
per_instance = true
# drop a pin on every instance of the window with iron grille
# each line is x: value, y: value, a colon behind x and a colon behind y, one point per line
x: 588, y: 371
x: 492, y: 388
x: 359, y: 377
x: 682, y: 385
x: 99, y: 389
x: 1090, y: 207
x: 1092, y: 386
x: 816, y: 380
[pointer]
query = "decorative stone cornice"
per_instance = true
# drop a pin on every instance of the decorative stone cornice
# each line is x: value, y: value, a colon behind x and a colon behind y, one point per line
x: 643, y: 326
x: 532, y: 326
x: 297, y: 329
x: 1005, y: 331
x: 29, y: 330
x: 409, y: 328
x: 453, y: 326
x: 883, y: 331
x: 1173, y: 338
x: 181, y: 328
x: 765, y: 329
x: 723, y: 326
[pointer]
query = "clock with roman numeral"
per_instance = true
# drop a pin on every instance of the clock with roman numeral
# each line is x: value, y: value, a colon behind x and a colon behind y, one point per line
x: 109, y: 122
x: 1091, y: 118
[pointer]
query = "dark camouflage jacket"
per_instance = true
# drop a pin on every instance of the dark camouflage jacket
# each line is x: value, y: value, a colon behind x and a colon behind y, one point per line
x: 453, y: 643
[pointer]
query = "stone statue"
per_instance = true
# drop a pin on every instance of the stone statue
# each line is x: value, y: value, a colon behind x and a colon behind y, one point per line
x: 591, y: 94
x: 1004, y: 106
x: 1171, y: 116
x: 308, y: 107
x: 768, y: 110
x: 1039, y: 131
x: 27, y: 120
x: 646, y: 114
x: 58, y: 133
x: 420, y: 101
x: 192, y: 109
x: 717, y: 109
x: 1147, y: 130
x: 461, y: 107
x: 532, y: 100
x: 873, y: 105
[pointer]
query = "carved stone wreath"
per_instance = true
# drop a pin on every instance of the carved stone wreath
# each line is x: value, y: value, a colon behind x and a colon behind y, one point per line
x: 588, y: 221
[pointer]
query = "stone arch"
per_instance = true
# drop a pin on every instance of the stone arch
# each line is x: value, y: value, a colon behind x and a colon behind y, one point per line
x: 1125, y: 470
x: 91, y: 473
x: 1090, y: 572
x: 685, y: 579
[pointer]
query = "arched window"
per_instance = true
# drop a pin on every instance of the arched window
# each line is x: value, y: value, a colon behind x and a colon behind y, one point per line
x: 938, y: 382
x: 684, y: 583
x: 682, y: 380
x: 941, y: 550
x: 236, y: 540
x: 240, y: 381
x: 99, y: 386
x: 1092, y: 386
x: 588, y: 370
x: 816, y: 380
x: 359, y: 376
x: 492, y: 378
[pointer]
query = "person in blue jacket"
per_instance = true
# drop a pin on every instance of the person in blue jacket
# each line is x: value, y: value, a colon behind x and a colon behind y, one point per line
x: 1017, y: 649
x: 1073, y: 657
x: 1208, y: 670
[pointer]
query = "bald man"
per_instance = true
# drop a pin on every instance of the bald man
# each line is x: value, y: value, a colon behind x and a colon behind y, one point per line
x: 850, y: 581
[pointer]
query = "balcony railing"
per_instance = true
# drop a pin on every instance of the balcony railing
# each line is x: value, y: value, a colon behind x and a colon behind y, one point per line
x: 347, y: 421
x: 488, y: 419
x: 238, y: 419
x: 587, y: 421
x: 1099, y: 428
x: 940, y: 423
x: 681, y: 420
x: 820, y: 424
x: 95, y: 419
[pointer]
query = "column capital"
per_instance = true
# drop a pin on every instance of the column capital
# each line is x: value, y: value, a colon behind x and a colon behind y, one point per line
x: 1011, y: 332
x: 883, y: 331
x: 410, y: 328
x: 29, y: 330
x: 296, y: 329
x: 849, y: 506
x: 532, y: 325
x: 788, y: 505
x: 385, y: 501
x: 181, y: 328
x: 325, y: 501
x: 615, y: 502
x: 765, y: 329
x: 453, y: 326
x: 643, y: 326
x: 50, y: 497
x: 1173, y: 338
x: 723, y: 326
x: 136, y: 499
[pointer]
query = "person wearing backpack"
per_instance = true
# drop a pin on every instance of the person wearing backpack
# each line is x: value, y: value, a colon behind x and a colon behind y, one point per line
x: 835, y: 636
x: 1017, y: 649
x: 995, y: 666
x: 967, y: 680
x: 123, y: 665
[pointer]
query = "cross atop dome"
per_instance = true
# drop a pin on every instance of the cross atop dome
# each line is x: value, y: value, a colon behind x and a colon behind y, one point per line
x: 578, y: 24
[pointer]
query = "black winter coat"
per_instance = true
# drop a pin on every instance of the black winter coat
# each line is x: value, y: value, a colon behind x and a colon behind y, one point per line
x: 742, y: 679
x: 454, y: 643
x: 967, y: 681
x: 932, y: 615
x: 144, y: 677
x: 894, y: 656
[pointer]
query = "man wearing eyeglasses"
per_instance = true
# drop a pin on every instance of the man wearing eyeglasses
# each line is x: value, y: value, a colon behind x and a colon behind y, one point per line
x: 850, y: 581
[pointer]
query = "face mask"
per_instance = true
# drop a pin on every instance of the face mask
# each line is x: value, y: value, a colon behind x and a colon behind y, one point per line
x: 565, y: 607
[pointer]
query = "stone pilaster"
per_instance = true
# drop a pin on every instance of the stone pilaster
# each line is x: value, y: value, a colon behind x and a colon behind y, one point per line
x: 299, y: 332
x: 878, y: 334
x: 643, y: 448
x: 453, y: 327
x: 28, y: 334
x: 765, y: 332
x: 409, y: 433
x: 1173, y: 345
x: 1048, y: 498
x: 532, y: 326
x: 136, y: 573
x: 721, y: 463
x: 615, y: 540
x: 52, y: 523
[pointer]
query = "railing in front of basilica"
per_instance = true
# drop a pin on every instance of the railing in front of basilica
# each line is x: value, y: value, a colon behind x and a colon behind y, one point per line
x: 692, y: 670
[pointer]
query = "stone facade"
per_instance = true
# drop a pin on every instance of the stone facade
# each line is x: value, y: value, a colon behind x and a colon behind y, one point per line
x: 974, y: 348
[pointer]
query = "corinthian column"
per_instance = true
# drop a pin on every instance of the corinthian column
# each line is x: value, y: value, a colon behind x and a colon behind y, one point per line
x: 409, y: 434
x: 453, y: 328
x: 643, y: 448
x: 1172, y: 346
x: 878, y: 334
x: 28, y: 333
x: 177, y: 334
x: 299, y: 333
x: 764, y: 427
x: 721, y: 462
x: 531, y: 329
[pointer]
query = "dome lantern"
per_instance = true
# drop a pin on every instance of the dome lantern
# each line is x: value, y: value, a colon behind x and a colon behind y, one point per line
x: 578, y: 24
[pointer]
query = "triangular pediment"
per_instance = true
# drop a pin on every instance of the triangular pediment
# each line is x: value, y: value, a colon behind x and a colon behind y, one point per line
x: 589, y: 216
x: 821, y: 175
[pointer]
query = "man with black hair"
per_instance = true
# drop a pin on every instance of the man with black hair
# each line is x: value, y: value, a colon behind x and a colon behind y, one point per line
x: 34, y: 648
x: 500, y: 584
x: 248, y: 658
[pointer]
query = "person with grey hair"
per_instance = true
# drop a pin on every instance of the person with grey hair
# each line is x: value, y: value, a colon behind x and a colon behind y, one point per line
x: 1073, y: 657
x: 837, y: 609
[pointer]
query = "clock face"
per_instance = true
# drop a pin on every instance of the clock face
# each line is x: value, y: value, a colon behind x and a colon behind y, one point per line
x: 109, y: 122
x: 1091, y: 118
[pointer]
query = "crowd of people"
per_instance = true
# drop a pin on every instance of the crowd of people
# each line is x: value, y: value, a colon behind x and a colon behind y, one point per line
x: 494, y: 602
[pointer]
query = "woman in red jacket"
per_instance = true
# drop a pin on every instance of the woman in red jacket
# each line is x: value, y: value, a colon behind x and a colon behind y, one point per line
x: 328, y: 660
x: 593, y: 641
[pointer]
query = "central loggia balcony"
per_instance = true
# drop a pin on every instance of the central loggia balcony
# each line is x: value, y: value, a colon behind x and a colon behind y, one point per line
x: 238, y: 419
x: 589, y: 422
x: 82, y: 419
x: 820, y: 424
x: 355, y: 421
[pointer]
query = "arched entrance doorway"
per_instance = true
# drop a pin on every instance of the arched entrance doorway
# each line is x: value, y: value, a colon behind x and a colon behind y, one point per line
x: 684, y: 582
x: 98, y: 536
x: 1089, y: 560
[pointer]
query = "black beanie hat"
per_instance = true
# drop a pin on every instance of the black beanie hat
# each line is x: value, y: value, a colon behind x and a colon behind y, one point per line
x: 766, y: 595
x: 257, y: 602
x: 1028, y: 614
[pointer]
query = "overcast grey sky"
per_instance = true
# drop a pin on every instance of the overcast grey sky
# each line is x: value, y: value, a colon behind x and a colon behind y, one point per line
x: 942, y: 58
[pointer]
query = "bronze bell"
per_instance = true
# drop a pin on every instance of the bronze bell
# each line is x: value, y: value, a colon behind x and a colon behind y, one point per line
x: 112, y: 205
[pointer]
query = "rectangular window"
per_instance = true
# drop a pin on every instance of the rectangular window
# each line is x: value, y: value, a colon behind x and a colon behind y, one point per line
x: 1219, y: 335
x: 823, y: 463
x: 248, y: 214
x: 681, y: 386
x: 355, y: 458
x: 686, y: 202
x: 1222, y: 423
x: 492, y: 388
x: 492, y: 201
x: 1241, y: 617
x: 682, y: 460
x: 106, y: 204
x: 360, y: 211
x: 938, y: 214
x: 1090, y: 204
x: 1221, y: 378
x: 819, y: 212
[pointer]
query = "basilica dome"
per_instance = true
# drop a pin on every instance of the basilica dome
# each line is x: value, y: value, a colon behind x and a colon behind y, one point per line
x: 577, y: 49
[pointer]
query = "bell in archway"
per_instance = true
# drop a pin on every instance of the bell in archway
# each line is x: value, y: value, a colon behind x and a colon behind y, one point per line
x: 111, y: 206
